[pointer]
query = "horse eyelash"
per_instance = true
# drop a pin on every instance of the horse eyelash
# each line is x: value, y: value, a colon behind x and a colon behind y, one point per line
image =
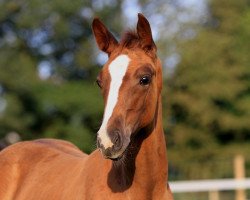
x: 98, y: 82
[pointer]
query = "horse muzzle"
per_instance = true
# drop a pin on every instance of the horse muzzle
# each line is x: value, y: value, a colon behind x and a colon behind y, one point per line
x: 113, y: 144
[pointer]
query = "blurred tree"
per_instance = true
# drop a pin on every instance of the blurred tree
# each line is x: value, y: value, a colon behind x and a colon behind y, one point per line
x: 209, y: 94
x: 48, y: 66
x: 48, y: 63
x: 171, y: 22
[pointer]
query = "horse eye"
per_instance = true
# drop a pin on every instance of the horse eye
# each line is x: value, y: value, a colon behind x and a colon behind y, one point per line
x: 145, y: 80
x: 99, y: 83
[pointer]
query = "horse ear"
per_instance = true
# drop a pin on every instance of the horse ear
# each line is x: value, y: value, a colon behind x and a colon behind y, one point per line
x: 145, y: 34
x: 104, y: 39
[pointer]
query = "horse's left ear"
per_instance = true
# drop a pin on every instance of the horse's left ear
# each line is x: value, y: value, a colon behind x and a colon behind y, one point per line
x: 145, y: 34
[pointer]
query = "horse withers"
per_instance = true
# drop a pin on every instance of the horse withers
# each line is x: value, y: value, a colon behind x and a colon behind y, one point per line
x: 131, y: 162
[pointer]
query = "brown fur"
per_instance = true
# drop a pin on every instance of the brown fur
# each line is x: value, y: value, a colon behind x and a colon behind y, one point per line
x: 55, y: 169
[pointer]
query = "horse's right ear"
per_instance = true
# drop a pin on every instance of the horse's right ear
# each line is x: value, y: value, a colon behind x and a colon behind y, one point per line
x: 104, y: 39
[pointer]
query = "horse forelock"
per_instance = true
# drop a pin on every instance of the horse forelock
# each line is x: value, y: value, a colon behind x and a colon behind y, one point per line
x: 130, y: 39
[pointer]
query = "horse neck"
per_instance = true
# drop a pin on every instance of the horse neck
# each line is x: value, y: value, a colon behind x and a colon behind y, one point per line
x: 152, y: 156
x: 145, y: 161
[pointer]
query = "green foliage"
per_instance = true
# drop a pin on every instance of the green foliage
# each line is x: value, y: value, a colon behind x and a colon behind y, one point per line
x: 209, y: 100
x: 206, y: 103
x: 70, y: 111
x: 56, y: 35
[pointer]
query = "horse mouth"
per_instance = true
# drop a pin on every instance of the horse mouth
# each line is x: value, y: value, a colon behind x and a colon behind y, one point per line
x: 117, y: 158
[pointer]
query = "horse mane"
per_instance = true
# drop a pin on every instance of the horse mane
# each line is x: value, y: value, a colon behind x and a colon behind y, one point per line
x: 130, y: 39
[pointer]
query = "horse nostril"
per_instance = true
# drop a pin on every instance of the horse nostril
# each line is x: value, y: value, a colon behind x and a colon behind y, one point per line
x: 117, y: 140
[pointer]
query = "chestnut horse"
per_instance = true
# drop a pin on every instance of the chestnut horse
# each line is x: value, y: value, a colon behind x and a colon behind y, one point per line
x: 131, y: 162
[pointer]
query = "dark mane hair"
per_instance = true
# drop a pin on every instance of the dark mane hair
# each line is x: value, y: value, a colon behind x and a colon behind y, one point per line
x: 130, y: 39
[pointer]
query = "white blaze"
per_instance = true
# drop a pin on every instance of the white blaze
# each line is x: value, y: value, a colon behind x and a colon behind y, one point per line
x: 117, y: 70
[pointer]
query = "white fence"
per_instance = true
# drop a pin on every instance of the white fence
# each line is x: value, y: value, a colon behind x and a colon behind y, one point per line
x: 209, y: 185
x: 239, y: 184
x: 213, y: 187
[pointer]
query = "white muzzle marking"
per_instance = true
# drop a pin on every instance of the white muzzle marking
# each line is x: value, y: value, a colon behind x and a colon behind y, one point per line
x: 117, y: 70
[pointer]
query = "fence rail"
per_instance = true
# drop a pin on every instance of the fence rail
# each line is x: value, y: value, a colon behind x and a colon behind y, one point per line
x: 240, y: 183
x: 209, y: 185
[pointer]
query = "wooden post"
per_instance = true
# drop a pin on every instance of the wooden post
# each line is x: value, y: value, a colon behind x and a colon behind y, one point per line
x: 239, y: 174
x: 213, y: 195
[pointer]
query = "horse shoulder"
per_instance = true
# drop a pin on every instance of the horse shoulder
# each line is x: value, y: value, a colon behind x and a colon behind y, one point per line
x: 10, y: 171
x: 61, y: 146
x: 24, y: 160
